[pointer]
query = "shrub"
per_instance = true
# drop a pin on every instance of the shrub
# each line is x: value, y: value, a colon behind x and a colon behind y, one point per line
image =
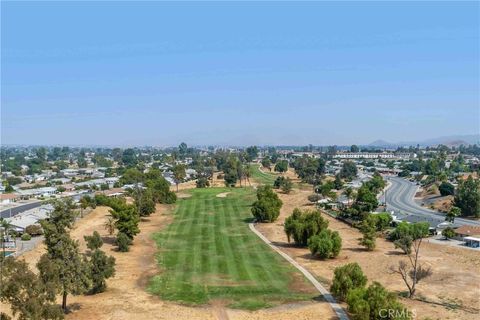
x: 326, y: 244
x: 302, y: 225
x: 375, y: 302
x: 448, y: 233
x: 382, y: 220
x: 123, y: 242
x: 346, y: 278
x: 94, y: 241
x: 34, y: 230
x: 26, y: 237
x: 267, y: 207
x: 446, y: 189
x: 202, y: 182
x: 314, y: 197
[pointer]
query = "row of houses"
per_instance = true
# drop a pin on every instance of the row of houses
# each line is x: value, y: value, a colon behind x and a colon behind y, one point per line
x: 375, y: 155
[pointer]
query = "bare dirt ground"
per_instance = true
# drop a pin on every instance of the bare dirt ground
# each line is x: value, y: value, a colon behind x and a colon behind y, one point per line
x: 126, y: 296
x: 453, y: 291
x: 439, y: 203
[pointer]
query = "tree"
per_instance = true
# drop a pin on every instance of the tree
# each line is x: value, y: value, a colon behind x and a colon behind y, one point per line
x: 354, y: 148
x: 302, y: 225
x: 369, y: 231
x: 179, y: 173
x: 266, y: 163
x: 252, y: 153
x: 337, y: 183
x: 448, y: 233
x: 182, y: 150
x: 28, y: 296
x: 314, y: 197
x: 101, y: 266
x: 202, y: 182
x: 144, y: 202
x: 281, y: 166
x: 326, y: 244
x: 375, y: 302
x: 348, y: 171
x: 109, y: 225
x: 123, y: 242
x: 446, y: 189
x: 468, y: 197
x: 366, y: 200
x: 129, y: 158
x: 126, y: 220
x: 267, y: 207
x: 62, y: 267
x: 94, y: 241
x: 346, y: 278
x: 452, y: 213
x: 413, y: 272
x: 406, y: 233
x: 349, y: 193
x: 382, y: 220
x: 287, y: 185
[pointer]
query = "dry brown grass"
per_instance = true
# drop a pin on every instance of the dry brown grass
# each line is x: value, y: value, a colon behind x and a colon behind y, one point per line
x: 453, y: 292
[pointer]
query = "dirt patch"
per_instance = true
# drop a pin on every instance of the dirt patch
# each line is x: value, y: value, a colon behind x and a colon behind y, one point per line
x: 183, y: 195
x: 222, y: 195
x: 451, y: 293
x: 126, y: 296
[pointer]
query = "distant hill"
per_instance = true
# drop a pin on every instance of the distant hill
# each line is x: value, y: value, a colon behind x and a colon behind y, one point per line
x: 450, y: 141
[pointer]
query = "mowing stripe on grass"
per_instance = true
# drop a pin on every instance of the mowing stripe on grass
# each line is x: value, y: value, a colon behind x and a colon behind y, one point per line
x: 208, y: 252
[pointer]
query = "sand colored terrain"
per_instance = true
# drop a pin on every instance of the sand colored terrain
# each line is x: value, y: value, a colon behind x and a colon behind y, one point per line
x: 453, y: 291
x: 126, y: 296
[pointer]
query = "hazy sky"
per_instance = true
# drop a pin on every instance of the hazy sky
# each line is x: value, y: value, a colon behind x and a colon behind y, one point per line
x: 229, y: 73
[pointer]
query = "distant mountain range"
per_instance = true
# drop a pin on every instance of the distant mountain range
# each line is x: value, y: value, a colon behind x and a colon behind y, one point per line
x: 446, y: 140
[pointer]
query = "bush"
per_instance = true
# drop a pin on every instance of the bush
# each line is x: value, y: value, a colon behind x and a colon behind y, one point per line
x: 326, y: 244
x: 382, y: 220
x: 26, y: 237
x: 448, y: 233
x: 202, y: 182
x: 34, y: 230
x: 446, y: 189
x: 375, y: 302
x: 302, y: 225
x: 314, y: 197
x: 267, y: 207
x: 123, y: 242
x: 346, y: 278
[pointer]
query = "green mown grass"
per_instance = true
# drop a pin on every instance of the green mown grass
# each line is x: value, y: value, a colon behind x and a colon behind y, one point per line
x: 262, y: 177
x: 208, y: 252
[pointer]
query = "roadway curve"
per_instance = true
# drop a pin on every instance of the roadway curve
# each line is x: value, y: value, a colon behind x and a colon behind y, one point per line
x: 400, y: 198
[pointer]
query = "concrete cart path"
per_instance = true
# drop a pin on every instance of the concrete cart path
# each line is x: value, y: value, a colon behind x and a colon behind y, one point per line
x: 342, y: 315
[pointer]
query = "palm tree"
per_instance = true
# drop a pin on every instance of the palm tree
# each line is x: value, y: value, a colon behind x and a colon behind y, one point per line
x: 5, y: 226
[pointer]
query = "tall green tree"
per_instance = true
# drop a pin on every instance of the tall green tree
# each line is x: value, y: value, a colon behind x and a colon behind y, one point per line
x: 369, y: 232
x: 63, y: 267
x: 29, y: 297
x: 468, y: 197
x: 267, y: 207
x: 179, y: 173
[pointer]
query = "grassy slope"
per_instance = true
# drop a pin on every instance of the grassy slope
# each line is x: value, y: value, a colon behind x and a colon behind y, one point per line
x: 262, y: 177
x: 208, y: 252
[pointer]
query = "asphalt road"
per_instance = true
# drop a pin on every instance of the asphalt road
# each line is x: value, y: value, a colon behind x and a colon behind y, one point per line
x: 7, y: 213
x: 400, y: 199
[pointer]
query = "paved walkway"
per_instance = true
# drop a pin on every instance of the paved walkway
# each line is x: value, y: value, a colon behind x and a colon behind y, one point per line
x: 328, y: 297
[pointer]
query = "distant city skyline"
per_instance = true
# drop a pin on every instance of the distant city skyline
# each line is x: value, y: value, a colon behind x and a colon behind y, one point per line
x: 157, y: 74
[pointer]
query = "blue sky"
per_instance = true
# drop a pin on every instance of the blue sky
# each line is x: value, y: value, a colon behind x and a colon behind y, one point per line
x: 157, y: 74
